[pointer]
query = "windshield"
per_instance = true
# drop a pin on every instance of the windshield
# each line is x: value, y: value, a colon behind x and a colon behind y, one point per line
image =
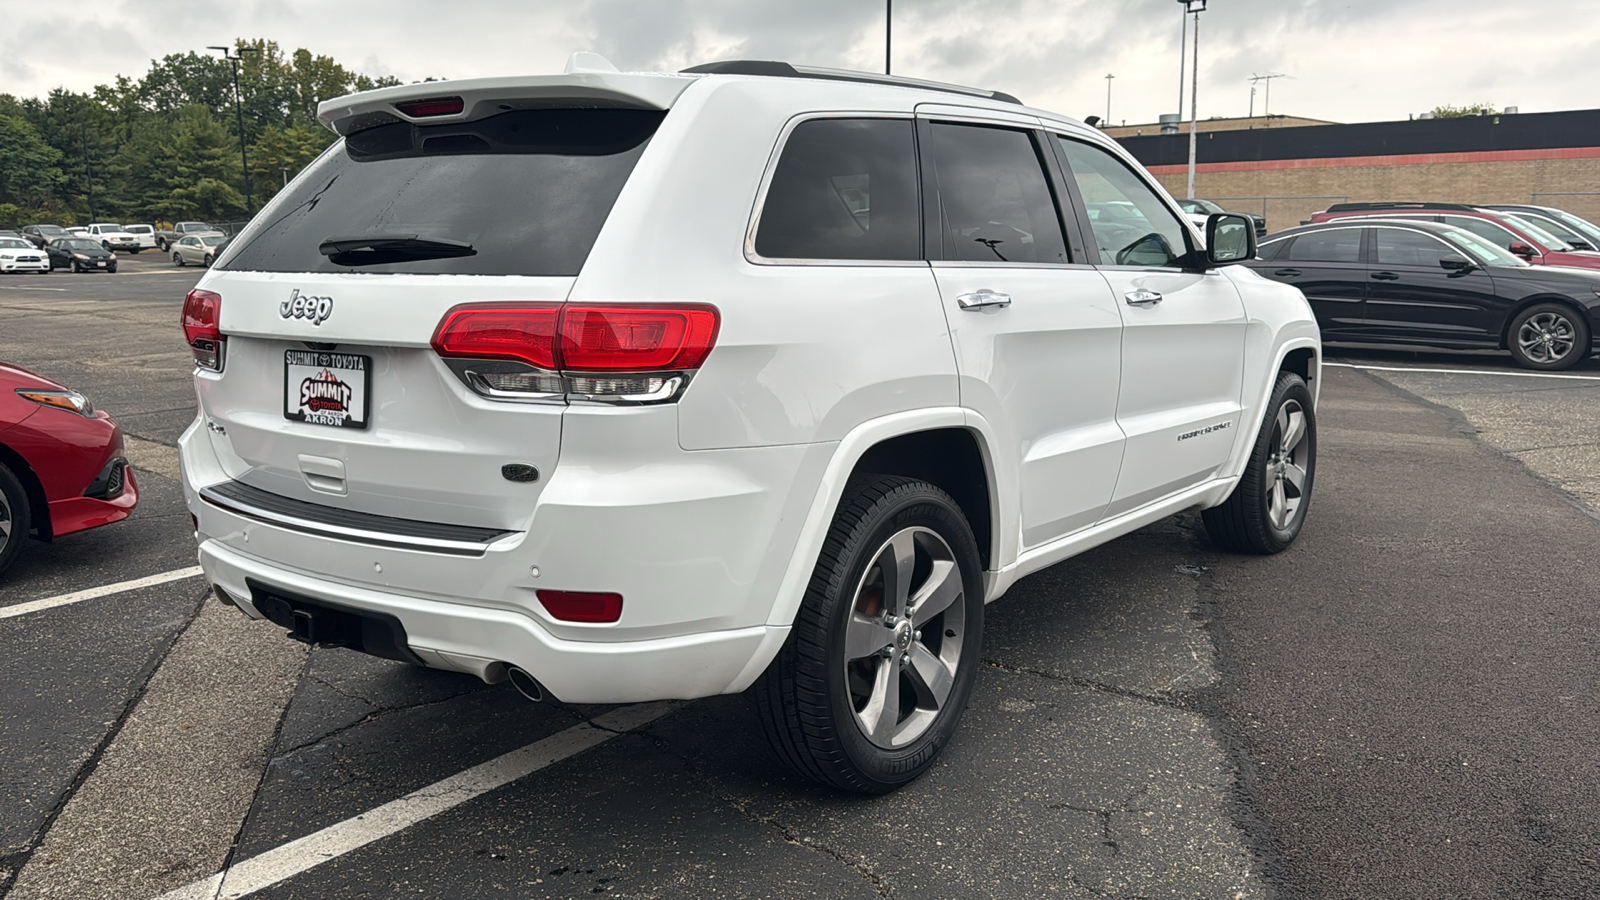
x: 51, y: 229
x: 14, y: 244
x: 79, y: 244
x: 107, y: 226
x: 1588, y: 229
x: 521, y: 193
x: 1550, y: 241
x: 139, y: 229
x: 1482, y: 250
x: 211, y: 240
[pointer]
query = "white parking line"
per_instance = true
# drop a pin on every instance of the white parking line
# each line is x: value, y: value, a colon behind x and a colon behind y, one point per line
x: 7, y: 287
x: 32, y: 606
x: 289, y: 860
x: 1462, y: 371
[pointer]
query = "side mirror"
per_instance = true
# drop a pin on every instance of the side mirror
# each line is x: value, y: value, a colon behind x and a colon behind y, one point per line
x: 1523, y: 250
x: 1230, y: 238
x: 1456, y: 264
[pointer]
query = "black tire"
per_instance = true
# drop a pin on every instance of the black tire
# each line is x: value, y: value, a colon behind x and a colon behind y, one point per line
x: 76, y: 269
x: 1245, y: 522
x: 15, y: 518
x: 809, y: 697
x: 1556, y: 337
x: 177, y: 258
x: 135, y: 250
x: 207, y: 261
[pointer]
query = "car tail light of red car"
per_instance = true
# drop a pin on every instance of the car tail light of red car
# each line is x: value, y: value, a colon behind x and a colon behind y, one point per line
x: 202, y: 317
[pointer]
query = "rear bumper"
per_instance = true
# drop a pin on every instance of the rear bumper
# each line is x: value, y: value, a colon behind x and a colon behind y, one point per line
x: 481, y: 641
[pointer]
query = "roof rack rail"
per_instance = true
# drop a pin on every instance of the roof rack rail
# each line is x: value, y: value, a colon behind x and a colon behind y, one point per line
x: 1348, y: 207
x: 786, y: 70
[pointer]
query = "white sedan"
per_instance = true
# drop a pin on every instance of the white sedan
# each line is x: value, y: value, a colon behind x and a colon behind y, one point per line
x: 17, y: 255
x: 199, y: 249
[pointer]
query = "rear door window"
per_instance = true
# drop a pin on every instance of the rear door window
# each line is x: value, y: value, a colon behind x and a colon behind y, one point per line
x: 1396, y: 247
x: 995, y: 202
x: 1339, y: 246
x: 521, y: 193
x: 844, y: 189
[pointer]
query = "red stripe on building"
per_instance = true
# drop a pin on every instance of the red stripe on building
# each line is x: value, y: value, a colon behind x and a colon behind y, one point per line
x: 1415, y: 159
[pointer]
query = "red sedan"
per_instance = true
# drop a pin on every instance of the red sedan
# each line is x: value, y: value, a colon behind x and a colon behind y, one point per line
x: 61, y: 464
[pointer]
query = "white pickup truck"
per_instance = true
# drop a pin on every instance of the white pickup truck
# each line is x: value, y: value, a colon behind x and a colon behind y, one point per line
x: 112, y: 237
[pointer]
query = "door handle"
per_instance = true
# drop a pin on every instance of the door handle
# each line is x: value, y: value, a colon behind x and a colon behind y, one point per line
x: 1142, y: 297
x: 1385, y: 276
x: 984, y: 299
x: 1287, y: 273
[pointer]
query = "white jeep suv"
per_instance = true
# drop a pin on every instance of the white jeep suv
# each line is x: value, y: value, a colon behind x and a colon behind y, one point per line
x: 629, y: 387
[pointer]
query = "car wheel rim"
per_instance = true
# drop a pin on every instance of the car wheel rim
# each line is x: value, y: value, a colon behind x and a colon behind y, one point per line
x: 904, y: 638
x: 1547, y: 337
x: 5, y: 524
x: 1288, y: 460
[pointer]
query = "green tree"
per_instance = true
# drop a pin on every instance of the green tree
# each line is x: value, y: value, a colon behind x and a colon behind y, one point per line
x: 1458, y: 112
x: 30, y: 169
x: 281, y: 153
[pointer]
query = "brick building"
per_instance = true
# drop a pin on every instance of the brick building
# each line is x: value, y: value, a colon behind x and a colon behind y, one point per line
x: 1287, y: 173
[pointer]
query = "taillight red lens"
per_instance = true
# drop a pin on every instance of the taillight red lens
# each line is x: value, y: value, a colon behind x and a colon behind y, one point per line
x: 202, y: 312
x: 637, y: 338
x: 582, y: 606
x: 435, y: 106
x: 522, y: 333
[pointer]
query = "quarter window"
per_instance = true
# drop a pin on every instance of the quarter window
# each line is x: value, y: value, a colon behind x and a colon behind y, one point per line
x: 1339, y: 246
x: 1409, y: 248
x: 1131, y: 224
x: 844, y: 189
x: 995, y: 203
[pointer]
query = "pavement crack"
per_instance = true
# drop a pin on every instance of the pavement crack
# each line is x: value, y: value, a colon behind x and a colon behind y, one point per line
x: 746, y: 809
x: 1167, y: 701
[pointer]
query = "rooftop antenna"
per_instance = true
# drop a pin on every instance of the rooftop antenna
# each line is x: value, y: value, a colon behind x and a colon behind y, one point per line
x: 1267, y: 104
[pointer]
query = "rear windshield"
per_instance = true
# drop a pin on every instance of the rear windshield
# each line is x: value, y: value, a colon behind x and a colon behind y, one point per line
x: 521, y: 193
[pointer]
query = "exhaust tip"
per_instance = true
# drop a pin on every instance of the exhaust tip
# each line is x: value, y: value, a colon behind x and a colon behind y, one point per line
x: 526, y: 684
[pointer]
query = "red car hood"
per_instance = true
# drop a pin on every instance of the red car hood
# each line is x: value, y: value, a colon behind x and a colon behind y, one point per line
x: 14, y: 376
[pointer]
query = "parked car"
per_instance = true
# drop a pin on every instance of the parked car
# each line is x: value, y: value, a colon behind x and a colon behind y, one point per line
x: 80, y: 254
x: 145, y: 235
x: 198, y: 249
x: 1199, y: 210
x: 167, y: 237
x: 17, y: 255
x: 786, y: 444
x: 77, y: 231
x: 113, y: 237
x: 40, y: 235
x: 61, y: 464
x: 1519, y: 236
x: 1416, y: 282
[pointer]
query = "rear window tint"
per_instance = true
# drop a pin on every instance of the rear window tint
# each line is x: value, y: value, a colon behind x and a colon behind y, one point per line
x: 1341, y: 245
x: 528, y: 190
x: 844, y: 189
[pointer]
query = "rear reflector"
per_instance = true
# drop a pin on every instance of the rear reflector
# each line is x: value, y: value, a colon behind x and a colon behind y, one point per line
x: 202, y: 316
x: 436, y: 106
x: 582, y: 606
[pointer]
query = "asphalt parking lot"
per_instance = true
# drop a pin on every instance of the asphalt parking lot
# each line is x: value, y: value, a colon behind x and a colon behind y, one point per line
x: 1402, y: 705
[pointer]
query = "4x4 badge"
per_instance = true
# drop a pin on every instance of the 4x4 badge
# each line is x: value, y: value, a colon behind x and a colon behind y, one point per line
x: 316, y: 309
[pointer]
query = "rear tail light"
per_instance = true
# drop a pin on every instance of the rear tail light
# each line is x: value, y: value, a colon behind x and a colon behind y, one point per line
x: 202, y: 316
x: 621, y: 354
x: 435, y: 106
x: 582, y: 606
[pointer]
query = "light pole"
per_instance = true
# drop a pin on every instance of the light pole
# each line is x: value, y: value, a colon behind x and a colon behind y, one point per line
x: 1108, y: 98
x: 888, y: 30
x: 1183, y: 52
x: 1195, y: 7
x: 238, y: 105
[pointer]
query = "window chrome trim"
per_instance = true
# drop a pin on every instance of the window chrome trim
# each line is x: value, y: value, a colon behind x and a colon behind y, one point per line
x: 754, y: 258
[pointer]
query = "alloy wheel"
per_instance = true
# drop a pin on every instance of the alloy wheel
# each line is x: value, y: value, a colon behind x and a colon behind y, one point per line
x: 1547, y: 337
x: 903, y: 641
x: 6, y: 524
x: 1286, y: 464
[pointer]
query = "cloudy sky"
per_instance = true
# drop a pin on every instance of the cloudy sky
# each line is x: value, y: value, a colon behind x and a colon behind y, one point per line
x: 1347, y: 60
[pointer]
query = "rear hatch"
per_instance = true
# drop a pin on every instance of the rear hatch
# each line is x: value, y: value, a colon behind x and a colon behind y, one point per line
x: 329, y: 388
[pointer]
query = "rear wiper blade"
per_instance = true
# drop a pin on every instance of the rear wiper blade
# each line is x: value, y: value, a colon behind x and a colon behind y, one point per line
x: 370, y: 249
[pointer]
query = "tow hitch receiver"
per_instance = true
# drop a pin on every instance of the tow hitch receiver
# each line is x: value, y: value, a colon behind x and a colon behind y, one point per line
x: 325, y: 624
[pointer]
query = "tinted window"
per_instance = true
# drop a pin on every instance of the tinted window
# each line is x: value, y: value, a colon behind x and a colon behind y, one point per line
x: 14, y: 244
x: 844, y: 189
x: 995, y: 204
x: 1131, y: 224
x: 528, y: 190
x: 1410, y: 248
x: 1341, y: 246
